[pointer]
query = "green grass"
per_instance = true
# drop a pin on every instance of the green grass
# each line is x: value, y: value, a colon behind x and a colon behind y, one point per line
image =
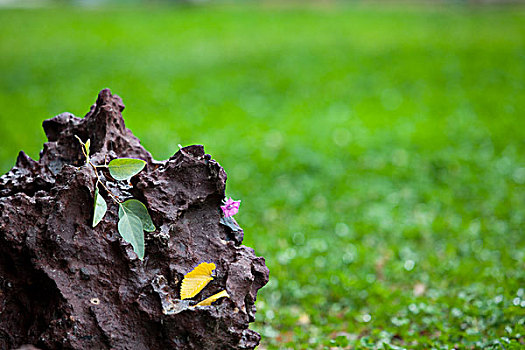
x: 379, y: 154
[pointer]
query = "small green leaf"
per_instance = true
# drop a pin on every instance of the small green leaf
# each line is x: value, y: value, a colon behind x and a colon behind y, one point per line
x: 131, y: 230
x: 125, y: 168
x: 100, y: 208
x: 138, y: 209
x: 86, y: 146
x: 231, y: 223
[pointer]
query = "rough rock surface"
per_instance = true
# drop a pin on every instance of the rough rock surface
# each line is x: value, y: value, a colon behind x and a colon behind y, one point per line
x: 65, y: 285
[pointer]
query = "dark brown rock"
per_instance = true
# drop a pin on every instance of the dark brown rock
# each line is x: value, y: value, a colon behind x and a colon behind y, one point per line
x: 66, y: 285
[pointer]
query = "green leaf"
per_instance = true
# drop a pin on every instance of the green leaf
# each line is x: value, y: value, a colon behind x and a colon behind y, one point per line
x: 125, y: 168
x: 100, y: 208
x: 231, y: 223
x: 86, y: 146
x: 138, y: 209
x: 131, y: 230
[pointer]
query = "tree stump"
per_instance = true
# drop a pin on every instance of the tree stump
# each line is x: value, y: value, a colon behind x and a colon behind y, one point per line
x: 66, y: 285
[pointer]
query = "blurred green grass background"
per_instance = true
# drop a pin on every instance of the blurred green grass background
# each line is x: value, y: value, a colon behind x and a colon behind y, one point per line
x: 378, y: 152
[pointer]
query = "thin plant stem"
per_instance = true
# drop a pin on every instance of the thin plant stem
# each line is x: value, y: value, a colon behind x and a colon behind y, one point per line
x: 88, y: 161
x: 115, y: 198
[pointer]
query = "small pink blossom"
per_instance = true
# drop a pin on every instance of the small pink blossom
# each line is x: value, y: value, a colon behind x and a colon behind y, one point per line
x: 230, y: 207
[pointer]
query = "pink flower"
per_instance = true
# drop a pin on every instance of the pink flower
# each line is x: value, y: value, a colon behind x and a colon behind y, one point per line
x: 230, y: 207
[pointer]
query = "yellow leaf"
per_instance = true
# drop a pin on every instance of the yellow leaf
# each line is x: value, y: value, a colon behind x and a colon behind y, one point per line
x: 208, y: 301
x: 196, y: 279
